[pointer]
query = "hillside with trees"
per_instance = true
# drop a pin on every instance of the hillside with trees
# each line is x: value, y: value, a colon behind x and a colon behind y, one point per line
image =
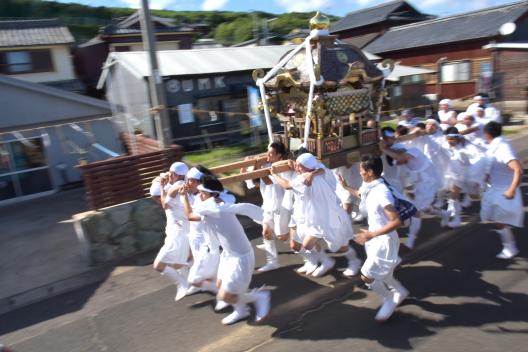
x: 225, y: 26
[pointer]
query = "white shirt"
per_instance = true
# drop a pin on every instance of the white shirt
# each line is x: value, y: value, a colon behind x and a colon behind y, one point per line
x: 499, y: 154
x: 492, y: 114
x: 376, y: 199
x: 418, y: 162
x: 220, y: 219
x: 445, y: 115
x: 175, y: 212
x: 458, y: 164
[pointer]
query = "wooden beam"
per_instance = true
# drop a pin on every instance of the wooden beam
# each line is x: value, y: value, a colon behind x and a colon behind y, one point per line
x: 280, y: 166
x: 238, y: 164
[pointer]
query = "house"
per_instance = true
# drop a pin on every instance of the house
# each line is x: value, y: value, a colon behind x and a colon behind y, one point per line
x: 38, y: 50
x: 363, y: 26
x: 124, y: 34
x: 44, y: 132
x: 206, y: 89
x: 458, y: 51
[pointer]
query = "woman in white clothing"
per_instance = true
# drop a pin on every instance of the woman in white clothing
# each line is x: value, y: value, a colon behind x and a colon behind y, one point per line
x: 380, y: 240
x: 237, y: 260
x: 502, y: 202
x: 172, y: 259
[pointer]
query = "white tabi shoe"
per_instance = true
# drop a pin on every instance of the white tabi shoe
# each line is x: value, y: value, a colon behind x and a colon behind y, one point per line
x: 236, y: 316
x: 268, y: 267
x: 409, y: 243
x: 220, y: 305
x: 262, y: 305
x: 327, y: 265
x: 310, y: 268
x: 456, y: 222
x: 387, y: 308
x: 445, y: 218
x: 353, y: 268
x: 508, y: 252
x: 193, y: 289
x: 181, y: 292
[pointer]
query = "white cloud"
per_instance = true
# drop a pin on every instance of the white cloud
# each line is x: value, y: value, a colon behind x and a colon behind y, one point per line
x: 212, y: 5
x: 153, y: 4
x: 304, y: 5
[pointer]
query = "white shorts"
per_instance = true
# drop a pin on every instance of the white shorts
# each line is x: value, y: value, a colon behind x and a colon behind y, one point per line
x: 278, y: 220
x: 175, y: 249
x: 382, y: 256
x: 496, y: 208
x: 205, y: 265
x: 235, y: 272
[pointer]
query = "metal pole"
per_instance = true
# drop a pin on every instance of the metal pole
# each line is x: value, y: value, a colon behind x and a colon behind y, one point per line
x: 157, y: 89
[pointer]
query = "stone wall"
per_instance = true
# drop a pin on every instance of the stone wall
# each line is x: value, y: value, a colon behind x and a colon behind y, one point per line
x: 120, y: 231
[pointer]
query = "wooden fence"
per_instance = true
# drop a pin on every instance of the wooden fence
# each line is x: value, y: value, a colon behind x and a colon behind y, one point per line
x: 125, y: 178
x: 139, y: 144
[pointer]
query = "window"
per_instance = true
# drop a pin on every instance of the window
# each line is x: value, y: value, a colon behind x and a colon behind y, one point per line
x: 121, y: 48
x: 411, y: 79
x: 19, y: 61
x: 25, y: 61
x: 455, y: 71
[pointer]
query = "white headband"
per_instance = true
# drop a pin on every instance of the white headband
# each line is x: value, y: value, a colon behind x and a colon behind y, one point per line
x: 203, y: 189
x: 454, y: 135
x: 195, y: 174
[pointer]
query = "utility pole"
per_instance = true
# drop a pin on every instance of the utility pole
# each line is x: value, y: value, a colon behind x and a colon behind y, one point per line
x: 157, y: 88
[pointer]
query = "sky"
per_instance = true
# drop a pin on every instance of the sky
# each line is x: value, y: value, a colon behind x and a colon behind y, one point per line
x: 334, y: 7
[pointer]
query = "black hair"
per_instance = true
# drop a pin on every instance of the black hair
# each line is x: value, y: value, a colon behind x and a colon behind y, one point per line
x: 421, y: 125
x: 386, y: 129
x: 279, y: 148
x: 402, y: 130
x: 451, y: 130
x: 374, y: 163
x: 494, y: 129
x: 204, y: 170
x: 212, y: 183
x: 300, y: 151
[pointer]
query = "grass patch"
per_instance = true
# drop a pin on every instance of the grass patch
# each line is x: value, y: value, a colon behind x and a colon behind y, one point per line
x: 223, y: 155
x: 390, y: 123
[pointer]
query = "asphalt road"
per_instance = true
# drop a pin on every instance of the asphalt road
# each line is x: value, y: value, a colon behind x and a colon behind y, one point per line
x: 462, y: 299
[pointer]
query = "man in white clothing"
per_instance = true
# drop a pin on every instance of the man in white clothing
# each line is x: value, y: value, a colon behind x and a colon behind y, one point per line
x: 237, y: 260
x: 502, y: 202
x: 381, y: 239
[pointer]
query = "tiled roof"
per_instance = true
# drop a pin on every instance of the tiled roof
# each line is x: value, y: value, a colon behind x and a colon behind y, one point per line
x: 366, y: 16
x: 33, y: 32
x: 467, y: 26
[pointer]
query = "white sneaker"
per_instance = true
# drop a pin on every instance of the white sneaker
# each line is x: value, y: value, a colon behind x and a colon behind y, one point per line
x: 400, y: 296
x: 310, y: 268
x: 456, y: 222
x: 410, y: 242
x: 466, y: 202
x: 445, y: 218
x: 508, y: 252
x: 325, y: 267
x: 261, y: 246
x: 268, y: 267
x: 236, y: 316
x: 387, y: 308
x: 220, y: 305
x: 193, y: 289
x: 353, y: 268
x: 303, y: 268
x: 181, y: 292
x: 262, y: 305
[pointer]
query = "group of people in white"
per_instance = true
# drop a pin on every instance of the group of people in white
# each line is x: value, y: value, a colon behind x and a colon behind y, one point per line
x: 422, y: 166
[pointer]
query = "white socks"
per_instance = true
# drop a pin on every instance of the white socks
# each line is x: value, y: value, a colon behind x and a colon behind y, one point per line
x: 414, y: 228
x: 506, y: 235
x: 271, y: 250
